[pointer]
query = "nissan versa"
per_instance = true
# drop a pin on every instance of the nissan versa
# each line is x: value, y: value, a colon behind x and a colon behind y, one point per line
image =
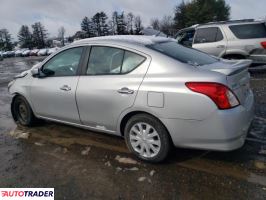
x: 150, y: 90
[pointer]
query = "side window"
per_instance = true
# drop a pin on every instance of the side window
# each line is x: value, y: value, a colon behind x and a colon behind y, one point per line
x: 65, y: 63
x: 105, y: 60
x: 208, y: 35
x: 131, y: 61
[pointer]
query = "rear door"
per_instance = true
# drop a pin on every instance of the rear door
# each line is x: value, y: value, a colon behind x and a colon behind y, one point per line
x: 210, y: 40
x: 109, y: 85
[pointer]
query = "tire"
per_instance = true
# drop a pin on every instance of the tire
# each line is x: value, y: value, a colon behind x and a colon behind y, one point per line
x: 153, y: 147
x: 22, y: 112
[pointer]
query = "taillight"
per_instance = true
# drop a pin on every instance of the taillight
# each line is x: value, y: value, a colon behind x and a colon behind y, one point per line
x: 220, y: 94
x: 263, y: 44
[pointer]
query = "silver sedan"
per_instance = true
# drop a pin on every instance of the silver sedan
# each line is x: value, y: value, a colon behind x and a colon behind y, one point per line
x: 149, y: 90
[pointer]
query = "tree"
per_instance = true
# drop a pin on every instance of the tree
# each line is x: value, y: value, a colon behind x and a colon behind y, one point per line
x: 25, y: 37
x: 130, y: 19
x: 138, y: 25
x: 180, y: 17
x: 121, y: 25
x: 155, y: 24
x: 200, y: 11
x: 167, y: 25
x: 87, y: 27
x: 39, y: 35
x: 99, y: 21
x: 5, y: 40
x: 61, y: 35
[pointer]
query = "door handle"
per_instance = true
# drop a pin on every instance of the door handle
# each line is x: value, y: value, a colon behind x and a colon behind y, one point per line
x: 220, y: 46
x: 65, y: 88
x: 125, y: 90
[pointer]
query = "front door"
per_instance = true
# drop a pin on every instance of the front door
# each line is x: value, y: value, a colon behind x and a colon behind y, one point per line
x: 53, y: 96
x: 109, y: 86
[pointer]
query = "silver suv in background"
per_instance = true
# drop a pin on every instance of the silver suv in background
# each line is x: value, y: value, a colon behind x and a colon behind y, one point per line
x: 238, y: 39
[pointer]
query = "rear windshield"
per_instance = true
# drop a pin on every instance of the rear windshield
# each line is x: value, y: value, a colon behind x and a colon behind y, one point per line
x: 249, y: 31
x: 183, y: 54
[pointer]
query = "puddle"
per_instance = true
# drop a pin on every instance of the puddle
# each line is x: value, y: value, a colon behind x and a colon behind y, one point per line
x: 66, y: 136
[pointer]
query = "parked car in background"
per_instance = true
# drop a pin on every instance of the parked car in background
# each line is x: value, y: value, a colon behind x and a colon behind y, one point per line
x: 149, y: 90
x: 1, y: 56
x: 236, y: 39
x: 34, y: 52
x: 10, y: 54
x: 42, y: 52
x: 26, y: 53
x: 52, y: 50
x: 19, y: 52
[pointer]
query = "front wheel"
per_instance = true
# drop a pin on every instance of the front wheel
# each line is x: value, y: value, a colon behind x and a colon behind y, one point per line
x: 22, y: 112
x: 147, y: 138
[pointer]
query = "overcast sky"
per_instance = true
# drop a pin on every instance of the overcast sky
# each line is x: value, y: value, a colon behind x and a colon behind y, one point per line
x: 69, y: 13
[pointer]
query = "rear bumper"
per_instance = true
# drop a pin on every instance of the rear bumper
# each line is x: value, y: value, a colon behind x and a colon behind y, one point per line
x: 223, y: 130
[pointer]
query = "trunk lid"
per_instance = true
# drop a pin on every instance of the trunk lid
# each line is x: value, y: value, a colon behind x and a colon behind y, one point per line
x: 237, y: 75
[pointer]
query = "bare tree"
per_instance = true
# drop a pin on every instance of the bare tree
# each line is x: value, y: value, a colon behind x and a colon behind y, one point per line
x: 155, y: 24
x: 61, y: 35
x: 167, y: 25
x: 138, y: 25
x: 130, y: 18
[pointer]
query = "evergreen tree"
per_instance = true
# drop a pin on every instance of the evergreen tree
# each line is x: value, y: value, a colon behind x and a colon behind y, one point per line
x: 87, y: 27
x: 25, y: 37
x: 100, y: 25
x: 200, y: 11
x: 5, y: 40
x: 39, y: 35
x: 180, y: 18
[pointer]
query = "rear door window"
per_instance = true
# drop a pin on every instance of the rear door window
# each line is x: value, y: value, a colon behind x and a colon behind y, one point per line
x: 208, y: 35
x: 109, y: 60
x: 249, y: 31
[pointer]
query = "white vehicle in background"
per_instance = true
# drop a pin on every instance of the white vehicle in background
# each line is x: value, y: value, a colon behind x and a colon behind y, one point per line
x: 52, y: 50
x: 34, y: 52
x: 42, y: 52
x: 26, y: 53
x: 235, y: 39
x: 19, y: 52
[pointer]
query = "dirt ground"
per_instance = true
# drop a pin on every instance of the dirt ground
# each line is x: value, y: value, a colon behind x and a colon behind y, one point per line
x: 81, y: 164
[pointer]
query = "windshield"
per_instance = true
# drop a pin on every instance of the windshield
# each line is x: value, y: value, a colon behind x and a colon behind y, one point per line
x: 183, y: 54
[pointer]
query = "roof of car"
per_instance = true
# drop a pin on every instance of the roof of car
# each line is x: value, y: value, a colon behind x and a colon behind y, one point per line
x: 131, y: 39
x: 229, y: 22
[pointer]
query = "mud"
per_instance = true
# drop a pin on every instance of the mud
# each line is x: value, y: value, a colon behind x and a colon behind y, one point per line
x: 81, y: 164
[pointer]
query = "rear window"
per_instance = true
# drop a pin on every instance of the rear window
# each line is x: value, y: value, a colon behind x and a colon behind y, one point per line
x: 183, y: 54
x: 249, y: 31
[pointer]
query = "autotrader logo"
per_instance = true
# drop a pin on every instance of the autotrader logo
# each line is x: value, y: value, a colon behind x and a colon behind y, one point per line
x: 27, y: 193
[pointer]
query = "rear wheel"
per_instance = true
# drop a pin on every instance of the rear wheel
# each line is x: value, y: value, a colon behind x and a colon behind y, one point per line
x: 147, y: 138
x: 22, y: 112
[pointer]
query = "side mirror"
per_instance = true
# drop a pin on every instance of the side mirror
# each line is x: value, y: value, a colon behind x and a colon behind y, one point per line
x: 35, y: 72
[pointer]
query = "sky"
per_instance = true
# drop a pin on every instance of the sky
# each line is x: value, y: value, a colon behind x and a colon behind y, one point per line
x: 69, y: 13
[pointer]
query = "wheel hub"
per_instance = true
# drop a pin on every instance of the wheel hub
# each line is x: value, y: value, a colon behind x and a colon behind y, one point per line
x: 145, y: 140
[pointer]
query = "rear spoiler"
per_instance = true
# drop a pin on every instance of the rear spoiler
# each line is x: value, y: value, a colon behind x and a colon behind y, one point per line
x: 228, y: 67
